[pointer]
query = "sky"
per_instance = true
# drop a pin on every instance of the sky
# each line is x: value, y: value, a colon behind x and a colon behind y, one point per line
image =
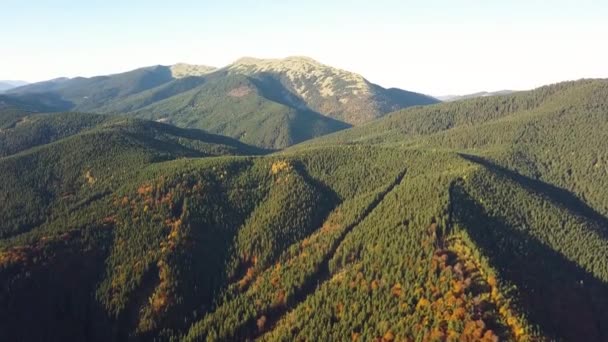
x: 434, y: 47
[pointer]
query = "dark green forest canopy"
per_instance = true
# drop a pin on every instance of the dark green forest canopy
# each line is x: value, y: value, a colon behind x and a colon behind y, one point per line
x: 482, y: 219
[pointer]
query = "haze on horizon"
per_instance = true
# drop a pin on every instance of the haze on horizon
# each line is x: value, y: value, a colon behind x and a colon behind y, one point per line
x: 433, y: 47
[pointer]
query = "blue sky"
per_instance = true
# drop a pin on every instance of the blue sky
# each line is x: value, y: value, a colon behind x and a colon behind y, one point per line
x: 435, y: 47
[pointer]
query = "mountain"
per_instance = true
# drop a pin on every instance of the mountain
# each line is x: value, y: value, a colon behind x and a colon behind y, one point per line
x: 267, y: 103
x: 6, y: 85
x: 336, y: 93
x: 449, y: 98
x: 482, y: 219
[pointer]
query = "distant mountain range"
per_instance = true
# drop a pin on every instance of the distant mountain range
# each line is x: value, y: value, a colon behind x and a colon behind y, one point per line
x: 271, y: 103
x: 450, y: 98
x: 6, y: 85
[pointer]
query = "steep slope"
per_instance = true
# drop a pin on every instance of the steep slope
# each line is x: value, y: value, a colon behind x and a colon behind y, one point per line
x: 333, y: 92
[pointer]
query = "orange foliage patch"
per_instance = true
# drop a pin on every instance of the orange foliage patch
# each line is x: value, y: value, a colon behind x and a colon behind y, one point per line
x: 144, y: 189
x: 14, y: 255
x: 279, y: 166
x: 89, y: 177
x: 388, y: 336
x: 422, y: 303
x: 247, y: 278
x: 458, y: 267
x: 261, y: 323
x: 109, y: 219
x: 279, y: 299
x: 397, y: 290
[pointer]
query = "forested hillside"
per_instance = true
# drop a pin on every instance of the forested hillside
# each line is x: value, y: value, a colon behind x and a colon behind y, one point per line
x: 477, y: 220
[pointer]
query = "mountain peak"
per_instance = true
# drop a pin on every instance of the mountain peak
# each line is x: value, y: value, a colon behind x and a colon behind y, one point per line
x: 337, y: 93
x: 292, y: 65
x: 181, y: 70
x: 299, y: 70
x: 302, y: 59
x: 276, y: 61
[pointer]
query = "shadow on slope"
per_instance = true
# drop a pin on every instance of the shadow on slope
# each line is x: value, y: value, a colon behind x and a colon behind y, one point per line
x: 47, y: 293
x: 560, y: 297
x: 145, y: 127
x: 274, y: 90
x: 306, y: 123
x: 554, y: 194
x: 396, y: 99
